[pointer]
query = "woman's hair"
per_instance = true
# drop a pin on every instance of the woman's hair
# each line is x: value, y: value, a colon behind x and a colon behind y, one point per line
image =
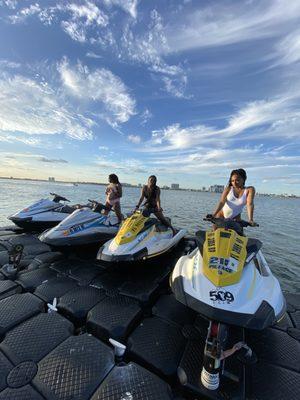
x: 112, y: 178
x: 153, y: 187
x: 154, y: 179
x: 240, y: 172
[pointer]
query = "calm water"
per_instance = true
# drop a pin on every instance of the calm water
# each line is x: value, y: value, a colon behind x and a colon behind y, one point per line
x: 279, y: 219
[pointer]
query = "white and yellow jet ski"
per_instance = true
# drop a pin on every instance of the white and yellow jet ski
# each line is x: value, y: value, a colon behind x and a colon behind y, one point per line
x: 227, y: 281
x: 139, y: 238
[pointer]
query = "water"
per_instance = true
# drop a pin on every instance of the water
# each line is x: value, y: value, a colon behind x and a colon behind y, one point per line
x: 279, y: 218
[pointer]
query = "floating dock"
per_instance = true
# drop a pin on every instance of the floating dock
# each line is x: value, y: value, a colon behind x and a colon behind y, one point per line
x: 66, y: 354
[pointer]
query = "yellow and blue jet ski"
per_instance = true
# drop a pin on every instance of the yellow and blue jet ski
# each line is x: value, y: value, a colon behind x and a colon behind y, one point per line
x: 140, y: 238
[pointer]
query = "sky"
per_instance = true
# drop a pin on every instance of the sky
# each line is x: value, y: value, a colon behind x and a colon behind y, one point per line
x: 186, y: 90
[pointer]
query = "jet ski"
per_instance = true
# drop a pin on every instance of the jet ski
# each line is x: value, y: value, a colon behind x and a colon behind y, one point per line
x: 227, y: 280
x: 43, y: 214
x: 139, y: 238
x: 84, y: 226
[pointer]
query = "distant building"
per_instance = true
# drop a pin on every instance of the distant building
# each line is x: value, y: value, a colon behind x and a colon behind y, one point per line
x: 175, y: 186
x: 216, y: 188
x: 51, y: 179
x: 166, y: 187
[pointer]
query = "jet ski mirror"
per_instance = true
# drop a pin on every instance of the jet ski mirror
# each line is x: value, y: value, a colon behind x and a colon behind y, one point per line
x: 57, y: 198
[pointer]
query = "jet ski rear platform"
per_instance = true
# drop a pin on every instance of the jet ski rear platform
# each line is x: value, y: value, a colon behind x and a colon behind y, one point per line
x: 164, y: 339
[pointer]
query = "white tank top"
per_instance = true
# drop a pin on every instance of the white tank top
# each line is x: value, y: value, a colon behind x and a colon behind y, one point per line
x: 234, y: 205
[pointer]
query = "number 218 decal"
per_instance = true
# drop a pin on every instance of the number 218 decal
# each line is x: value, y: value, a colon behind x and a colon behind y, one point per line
x: 221, y: 296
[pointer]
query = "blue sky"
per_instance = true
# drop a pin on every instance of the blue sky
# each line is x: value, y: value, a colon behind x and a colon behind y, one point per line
x: 187, y: 90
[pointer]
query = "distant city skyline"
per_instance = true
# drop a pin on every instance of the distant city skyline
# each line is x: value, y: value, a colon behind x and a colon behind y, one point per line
x: 185, y: 90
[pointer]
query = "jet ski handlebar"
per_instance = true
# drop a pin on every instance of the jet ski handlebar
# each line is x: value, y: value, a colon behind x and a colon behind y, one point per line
x: 98, y: 207
x: 227, y: 223
x: 57, y: 197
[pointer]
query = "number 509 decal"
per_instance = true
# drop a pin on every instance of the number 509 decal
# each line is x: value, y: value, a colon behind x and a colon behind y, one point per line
x: 221, y: 296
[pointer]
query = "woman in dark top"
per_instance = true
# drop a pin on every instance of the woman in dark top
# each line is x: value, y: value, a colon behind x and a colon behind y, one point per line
x: 151, y: 192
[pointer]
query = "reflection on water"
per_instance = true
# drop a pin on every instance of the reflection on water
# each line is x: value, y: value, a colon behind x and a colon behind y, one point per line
x: 278, y: 218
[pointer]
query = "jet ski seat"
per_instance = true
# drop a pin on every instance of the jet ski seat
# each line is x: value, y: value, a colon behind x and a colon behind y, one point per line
x: 67, y: 209
x: 148, y: 223
x: 160, y: 227
x: 253, y: 246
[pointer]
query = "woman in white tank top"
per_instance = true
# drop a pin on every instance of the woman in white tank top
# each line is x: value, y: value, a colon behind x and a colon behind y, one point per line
x: 235, y: 196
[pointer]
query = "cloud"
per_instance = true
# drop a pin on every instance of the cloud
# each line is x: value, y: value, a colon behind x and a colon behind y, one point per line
x: 231, y: 23
x: 136, y: 139
x: 260, y: 119
x: 9, y: 3
x: 24, y: 13
x: 145, y: 116
x: 91, y: 54
x: 6, y: 64
x: 288, y: 49
x: 122, y: 165
x: 34, y: 108
x: 105, y: 148
x: 148, y: 48
x: 83, y: 17
x: 53, y: 160
x: 130, y: 6
x: 101, y: 86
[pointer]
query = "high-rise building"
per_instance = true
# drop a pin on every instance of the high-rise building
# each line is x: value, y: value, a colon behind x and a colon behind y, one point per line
x: 216, y: 188
x: 175, y: 186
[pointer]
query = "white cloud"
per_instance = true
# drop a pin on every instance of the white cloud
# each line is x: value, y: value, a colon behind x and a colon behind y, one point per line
x: 235, y: 22
x: 130, y: 6
x: 145, y: 116
x: 278, y: 118
x: 24, y: 13
x: 288, y: 49
x: 9, y: 3
x: 136, y: 139
x: 83, y: 17
x: 91, y: 54
x: 122, y: 165
x: 105, y: 148
x: 6, y: 64
x: 33, y: 108
x: 29, y: 141
x: 102, y: 86
x: 148, y: 48
x: 175, y: 137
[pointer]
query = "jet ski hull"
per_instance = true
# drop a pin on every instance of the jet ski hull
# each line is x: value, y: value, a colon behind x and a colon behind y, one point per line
x: 255, y: 303
x: 31, y: 225
x: 83, y: 227
x: 141, y: 254
x: 76, y: 241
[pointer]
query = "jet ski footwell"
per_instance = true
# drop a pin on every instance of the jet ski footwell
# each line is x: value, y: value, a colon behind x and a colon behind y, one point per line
x: 164, y: 339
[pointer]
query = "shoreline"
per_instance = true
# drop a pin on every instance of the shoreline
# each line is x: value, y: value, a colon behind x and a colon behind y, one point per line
x: 76, y: 183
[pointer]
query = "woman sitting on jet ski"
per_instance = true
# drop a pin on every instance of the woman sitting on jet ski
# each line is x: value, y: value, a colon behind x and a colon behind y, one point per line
x: 151, y: 192
x: 113, y: 195
x: 235, y: 196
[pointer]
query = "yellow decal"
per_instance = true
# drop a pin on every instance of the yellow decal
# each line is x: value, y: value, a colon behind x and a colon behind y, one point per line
x: 131, y: 228
x: 224, y: 255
